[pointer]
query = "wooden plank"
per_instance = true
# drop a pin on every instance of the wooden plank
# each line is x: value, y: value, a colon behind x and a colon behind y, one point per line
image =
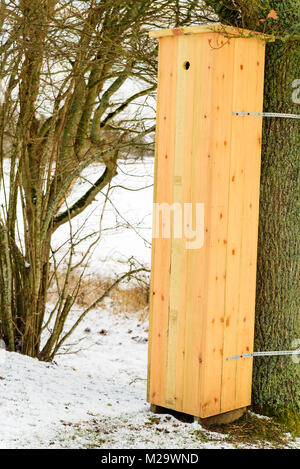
x: 235, y: 215
x: 165, y: 142
x: 252, y: 142
x: 243, y: 180
x: 181, y: 195
x: 220, y: 150
x: 208, y: 28
x: 200, y: 192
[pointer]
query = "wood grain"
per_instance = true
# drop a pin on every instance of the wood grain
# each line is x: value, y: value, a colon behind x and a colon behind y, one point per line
x: 181, y: 195
x: 160, y: 277
x: 202, y: 300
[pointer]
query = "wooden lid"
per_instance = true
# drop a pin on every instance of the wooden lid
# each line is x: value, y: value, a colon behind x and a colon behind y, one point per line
x: 228, y: 31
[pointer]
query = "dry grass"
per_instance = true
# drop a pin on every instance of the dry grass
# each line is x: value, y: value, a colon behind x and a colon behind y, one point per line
x: 131, y: 299
x: 255, y: 430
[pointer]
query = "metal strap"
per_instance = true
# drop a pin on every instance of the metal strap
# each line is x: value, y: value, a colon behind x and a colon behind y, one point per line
x: 265, y: 354
x: 265, y: 114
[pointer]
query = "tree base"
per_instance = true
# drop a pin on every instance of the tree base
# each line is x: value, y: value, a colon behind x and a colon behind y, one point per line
x: 288, y: 417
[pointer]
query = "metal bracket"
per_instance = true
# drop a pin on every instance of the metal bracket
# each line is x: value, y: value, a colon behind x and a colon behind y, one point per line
x: 265, y: 114
x: 265, y: 354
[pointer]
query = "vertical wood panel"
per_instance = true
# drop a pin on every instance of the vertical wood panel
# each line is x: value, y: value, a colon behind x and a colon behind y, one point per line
x: 199, y: 190
x: 181, y: 195
x: 217, y: 208
x: 235, y: 215
x: 249, y: 222
x: 165, y: 142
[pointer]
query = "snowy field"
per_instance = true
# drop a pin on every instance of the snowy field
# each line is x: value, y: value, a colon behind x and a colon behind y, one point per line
x: 94, y: 394
x: 124, y: 230
x: 93, y: 398
x: 102, y: 386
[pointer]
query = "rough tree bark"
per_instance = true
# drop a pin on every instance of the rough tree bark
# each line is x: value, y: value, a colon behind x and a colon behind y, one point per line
x: 276, y: 380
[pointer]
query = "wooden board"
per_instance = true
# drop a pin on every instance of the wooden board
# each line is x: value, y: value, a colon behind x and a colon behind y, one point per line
x: 161, y: 250
x: 181, y: 195
x: 216, y: 206
x: 200, y: 116
x: 249, y: 225
x: 208, y: 28
x: 202, y: 300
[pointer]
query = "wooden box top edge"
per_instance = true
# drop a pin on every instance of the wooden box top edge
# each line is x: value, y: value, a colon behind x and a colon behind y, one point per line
x: 228, y: 31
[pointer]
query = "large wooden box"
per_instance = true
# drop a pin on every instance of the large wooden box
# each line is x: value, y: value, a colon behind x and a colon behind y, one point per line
x: 203, y: 299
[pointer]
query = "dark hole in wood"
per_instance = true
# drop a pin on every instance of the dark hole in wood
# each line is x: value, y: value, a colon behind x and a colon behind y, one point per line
x: 187, y: 65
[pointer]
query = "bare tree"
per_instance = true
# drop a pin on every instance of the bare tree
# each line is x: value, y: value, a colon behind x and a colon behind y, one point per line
x: 62, y: 67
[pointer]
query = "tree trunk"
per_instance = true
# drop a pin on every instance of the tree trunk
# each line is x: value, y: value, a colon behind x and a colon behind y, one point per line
x: 276, y: 380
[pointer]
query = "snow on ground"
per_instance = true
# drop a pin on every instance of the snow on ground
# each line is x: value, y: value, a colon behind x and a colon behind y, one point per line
x: 93, y: 397
x: 104, y: 382
x: 36, y: 396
